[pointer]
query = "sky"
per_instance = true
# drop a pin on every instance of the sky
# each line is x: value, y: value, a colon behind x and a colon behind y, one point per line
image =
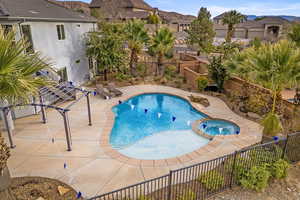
x: 216, y: 7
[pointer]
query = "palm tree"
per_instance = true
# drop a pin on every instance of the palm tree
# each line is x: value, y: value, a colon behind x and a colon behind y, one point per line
x: 294, y: 34
x: 137, y: 38
x: 231, y: 18
x: 274, y: 66
x: 17, y: 83
x: 161, y: 47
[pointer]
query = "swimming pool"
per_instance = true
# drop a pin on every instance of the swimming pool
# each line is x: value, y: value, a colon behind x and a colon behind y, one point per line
x: 155, y: 126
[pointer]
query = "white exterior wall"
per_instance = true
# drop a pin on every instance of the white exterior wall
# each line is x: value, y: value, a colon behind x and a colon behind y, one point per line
x: 63, y: 53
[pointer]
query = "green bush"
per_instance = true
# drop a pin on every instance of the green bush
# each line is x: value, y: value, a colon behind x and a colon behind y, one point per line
x: 122, y: 77
x: 256, y: 178
x: 212, y: 180
x: 202, y: 83
x: 279, y: 169
x: 171, y: 71
x: 144, y: 198
x: 142, y: 69
x: 218, y: 72
x: 187, y: 195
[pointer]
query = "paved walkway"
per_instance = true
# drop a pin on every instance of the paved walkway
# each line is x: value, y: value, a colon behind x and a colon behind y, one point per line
x: 90, y: 169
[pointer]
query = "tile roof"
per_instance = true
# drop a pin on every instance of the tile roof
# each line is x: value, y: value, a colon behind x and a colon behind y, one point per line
x: 40, y: 10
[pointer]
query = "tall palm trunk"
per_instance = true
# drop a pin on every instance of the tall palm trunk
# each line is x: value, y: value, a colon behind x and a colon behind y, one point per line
x: 230, y: 32
x: 160, y: 67
x: 133, y: 63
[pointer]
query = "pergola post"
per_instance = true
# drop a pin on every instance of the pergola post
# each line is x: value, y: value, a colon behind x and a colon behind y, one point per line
x: 6, y: 111
x: 34, y: 102
x: 89, y: 108
x: 67, y: 129
x: 44, y: 117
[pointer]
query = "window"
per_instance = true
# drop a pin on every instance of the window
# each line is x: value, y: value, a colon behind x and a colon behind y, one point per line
x: 26, y: 31
x: 61, y: 32
x: 63, y: 74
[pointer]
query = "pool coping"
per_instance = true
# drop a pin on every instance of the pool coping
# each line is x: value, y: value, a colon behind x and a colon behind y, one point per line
x: 241, y: 140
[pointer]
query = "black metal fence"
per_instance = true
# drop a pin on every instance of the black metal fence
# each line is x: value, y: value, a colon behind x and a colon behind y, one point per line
x: 220, y: 173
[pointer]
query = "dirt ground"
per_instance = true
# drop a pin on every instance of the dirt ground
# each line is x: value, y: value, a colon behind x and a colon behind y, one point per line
x: 287, y: 189
x: 33, y: 188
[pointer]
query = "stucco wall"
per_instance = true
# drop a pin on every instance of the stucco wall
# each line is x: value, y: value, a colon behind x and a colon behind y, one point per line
x: 63, y: 53
x: 69, y: 53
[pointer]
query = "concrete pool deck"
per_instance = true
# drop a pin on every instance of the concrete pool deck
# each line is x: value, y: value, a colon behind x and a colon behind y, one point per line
x: 92, y: 167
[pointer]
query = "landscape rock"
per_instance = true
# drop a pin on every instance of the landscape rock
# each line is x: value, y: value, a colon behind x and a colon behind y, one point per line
x: 253, y: 115
x: 203, y: 101
x: 62, y: 190
x: 40, y: 198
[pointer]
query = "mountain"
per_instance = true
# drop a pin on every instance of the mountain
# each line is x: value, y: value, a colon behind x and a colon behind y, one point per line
x: 287, y: 17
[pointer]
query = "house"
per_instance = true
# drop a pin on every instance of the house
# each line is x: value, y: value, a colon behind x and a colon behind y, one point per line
x: 123, y: 10
x: 269, y: 28
x: 55, y: 31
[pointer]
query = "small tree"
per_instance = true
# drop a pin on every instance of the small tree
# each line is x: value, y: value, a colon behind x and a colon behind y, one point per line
x: 202, y: 32
x: 294, y: 34
x: 107, y: 48
x: 162, y: 43
x: 231, y: 18
x: 136, y: 37
x: 218, y: 72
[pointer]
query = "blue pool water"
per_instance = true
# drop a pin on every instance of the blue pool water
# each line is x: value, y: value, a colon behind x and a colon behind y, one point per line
x: 155, y: 126
x: 219, y: 127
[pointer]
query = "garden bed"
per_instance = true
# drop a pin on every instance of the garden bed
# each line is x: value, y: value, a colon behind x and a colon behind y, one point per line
x: 288, y: 188
x: 38, y: 188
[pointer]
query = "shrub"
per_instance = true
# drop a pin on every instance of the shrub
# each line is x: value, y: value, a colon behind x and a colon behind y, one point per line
x: 202, y: 83
x: 256, y: 178
x: 218, y: 72
x: 142, y: 69
x: 212, y: 180
x: 171, y: 71
x: 279, y: 169
x: 187, y: 195
x: 122, y: 77
x: 144, y: 198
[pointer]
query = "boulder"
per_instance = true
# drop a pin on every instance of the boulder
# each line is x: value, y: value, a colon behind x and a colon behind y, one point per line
x: 254, y: 115
x: 197, y: 99
x: 62, y: 190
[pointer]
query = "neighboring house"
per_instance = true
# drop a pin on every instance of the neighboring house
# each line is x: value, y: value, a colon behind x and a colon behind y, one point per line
x: 55, y: 31
x: 123, y: 10
x: 266, y: 28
